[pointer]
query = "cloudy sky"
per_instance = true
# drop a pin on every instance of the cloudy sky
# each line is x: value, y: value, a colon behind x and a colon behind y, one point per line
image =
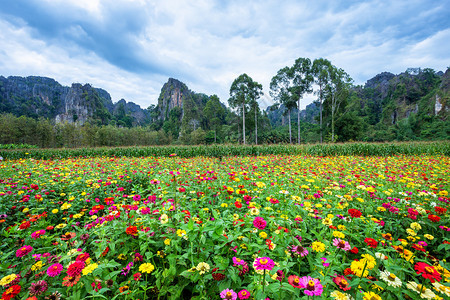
x: 130, y: 48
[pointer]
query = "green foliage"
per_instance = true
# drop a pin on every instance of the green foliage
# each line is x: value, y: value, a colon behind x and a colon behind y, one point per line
x: 336, y: 149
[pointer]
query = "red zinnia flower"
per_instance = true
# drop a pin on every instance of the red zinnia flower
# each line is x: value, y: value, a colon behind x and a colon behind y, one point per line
x: 371, y: 242
x: 294, y: 280
x: 11, y: 292
x: 440, y: 210
x: 75, y: 269
x: 434, y: 218
x: 427, y: 271
x: 238, y: 204
x: 131, y: 230
x: 354, y: 213
x: 354, y: 250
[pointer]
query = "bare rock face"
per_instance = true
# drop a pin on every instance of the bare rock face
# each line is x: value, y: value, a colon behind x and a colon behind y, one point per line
x: 36, y: 96
x: 171, y: 96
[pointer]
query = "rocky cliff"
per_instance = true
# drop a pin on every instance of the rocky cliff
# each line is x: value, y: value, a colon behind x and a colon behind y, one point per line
x: 36, y: 96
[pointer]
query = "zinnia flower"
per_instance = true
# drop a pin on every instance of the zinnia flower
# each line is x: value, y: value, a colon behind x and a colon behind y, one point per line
x: 202, y: 268
x: 38, y: 288
x: 371, y: 242
x: 37, y: 234
x: 427, y: 271
x: 71, y: 280
x: 312, y: 286
x: 244, y: 294
x: 294, y: 280
x: 299, y: 250
x: 146, y: 268
x: 54, y: 270
x: 7, y: 279
x: 422, y: 291
x: 75, y: 268
x: 341, y: 282
x: 11, y: 292
x: 354, y: 213
x: 259, y: 223
x: 131, y: 230
x: 390, y: 278
x: 344, y: 245
x: 22, y: 251
x: 264, y: 263
x: 371, y: 296
x: 228, y: 294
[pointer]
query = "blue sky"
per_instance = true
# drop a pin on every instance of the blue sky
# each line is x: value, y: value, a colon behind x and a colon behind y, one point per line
x: 130, y: 48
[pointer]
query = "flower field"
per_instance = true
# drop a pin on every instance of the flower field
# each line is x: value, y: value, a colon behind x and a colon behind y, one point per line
x: 243, y: 227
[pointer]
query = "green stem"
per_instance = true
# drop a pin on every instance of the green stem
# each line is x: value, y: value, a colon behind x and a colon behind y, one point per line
x: 264, y: 279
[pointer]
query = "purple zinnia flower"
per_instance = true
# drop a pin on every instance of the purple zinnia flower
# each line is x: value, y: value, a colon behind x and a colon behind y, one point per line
x: 299, y: 250
x: 238, y: 262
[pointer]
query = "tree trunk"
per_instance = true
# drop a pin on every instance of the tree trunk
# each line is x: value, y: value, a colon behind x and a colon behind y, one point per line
x: 320, y: 100
x: 243, y: 120
x: 298, y: 120
x: 333, y: 107
x: 290, y: 132
x: 256, y: 127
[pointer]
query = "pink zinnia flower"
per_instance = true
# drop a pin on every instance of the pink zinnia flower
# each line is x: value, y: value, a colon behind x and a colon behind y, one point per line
x: 344, y: 245
x: 228, y: 294
x: 244, y: 294
x: 238, y: 262
x: 37, y: 234
x: 299, y: 250
x: 264, y: 263
x: 259, y: 223
x: 75, y: 268
x: 312, y: 286
x: 22, y: 251
x: 54, y: 270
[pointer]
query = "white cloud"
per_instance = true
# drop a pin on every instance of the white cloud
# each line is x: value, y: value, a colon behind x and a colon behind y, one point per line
x: 207, y: 44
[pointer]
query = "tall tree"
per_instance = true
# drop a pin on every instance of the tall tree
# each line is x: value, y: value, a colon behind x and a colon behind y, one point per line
x: 337, y: 91
x: 243, y: 92
x: 281, y: 89
x: 321, y: 70
x: 214, y: 114
x: 302, y: 77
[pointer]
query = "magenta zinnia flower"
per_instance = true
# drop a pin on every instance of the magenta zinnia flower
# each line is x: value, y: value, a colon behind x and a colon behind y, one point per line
x: 344, y: 245
x: 264, y: 263
x: 244, y: 294
x: 54, y: 270
x: 312, y: 286
x: 22, y: 251
x: 37, y: 234
x: 228, y: 294
x: 259, y: 223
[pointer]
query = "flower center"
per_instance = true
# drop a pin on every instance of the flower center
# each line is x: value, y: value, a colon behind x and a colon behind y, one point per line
x: 310, y: 286
x: 263, y: 261
x: 344, y: 282
x: 9, y: 291
x: 244, y: 293
x: 55, y: 268
x: 341, y: 244
x: 296, y: 280
x: 429, y: 270
x: 392, y: 277
x: 238, y: 259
